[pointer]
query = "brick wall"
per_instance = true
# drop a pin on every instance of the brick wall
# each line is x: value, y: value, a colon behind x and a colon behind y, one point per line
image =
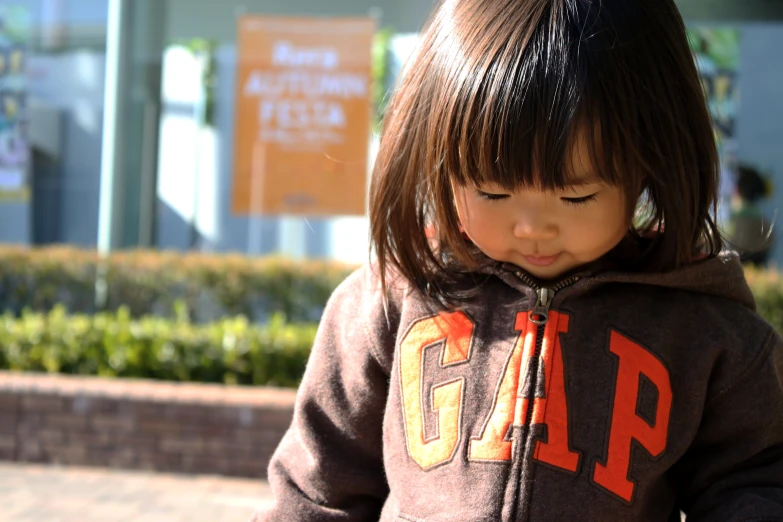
x: 186, y: 428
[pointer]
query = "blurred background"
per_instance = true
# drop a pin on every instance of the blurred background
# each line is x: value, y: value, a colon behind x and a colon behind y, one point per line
x: 168, y: 71
x: 183, y: 183
x: 145, y: 98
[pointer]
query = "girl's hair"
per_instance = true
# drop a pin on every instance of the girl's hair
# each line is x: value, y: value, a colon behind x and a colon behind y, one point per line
x: 498, y: 92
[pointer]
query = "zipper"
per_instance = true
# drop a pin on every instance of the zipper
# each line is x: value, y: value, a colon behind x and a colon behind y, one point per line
x: 538, y: 316
x: 540, y: 313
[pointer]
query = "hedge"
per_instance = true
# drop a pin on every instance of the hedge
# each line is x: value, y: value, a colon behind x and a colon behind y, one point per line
x: 151, y: 282
x: 212, y: 287
x: 767, y: 288
x: 231, y: 351
x: 185, y: 317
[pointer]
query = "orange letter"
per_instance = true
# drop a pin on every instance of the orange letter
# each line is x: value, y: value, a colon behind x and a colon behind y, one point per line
x: 553, y: 410
x: 509, y: 407
x: 634, y: 360
x: 493, y: 444
x: 457, y: 332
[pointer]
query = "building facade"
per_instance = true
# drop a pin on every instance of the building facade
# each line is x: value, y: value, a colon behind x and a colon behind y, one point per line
x: 162, y: 73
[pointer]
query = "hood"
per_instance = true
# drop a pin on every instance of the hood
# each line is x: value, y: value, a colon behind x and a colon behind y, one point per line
x: 721, y: 276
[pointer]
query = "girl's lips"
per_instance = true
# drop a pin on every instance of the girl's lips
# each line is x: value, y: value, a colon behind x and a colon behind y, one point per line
x: 541, y: 261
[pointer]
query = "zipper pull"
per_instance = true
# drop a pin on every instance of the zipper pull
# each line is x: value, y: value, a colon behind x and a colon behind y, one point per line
x: 540, y: 313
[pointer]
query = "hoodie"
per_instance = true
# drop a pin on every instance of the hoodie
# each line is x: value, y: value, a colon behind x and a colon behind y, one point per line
x: 606, y: 396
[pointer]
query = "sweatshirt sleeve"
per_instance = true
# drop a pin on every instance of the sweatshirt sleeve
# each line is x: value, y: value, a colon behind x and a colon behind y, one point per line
x: 329, y: 464
x: 734, y: 469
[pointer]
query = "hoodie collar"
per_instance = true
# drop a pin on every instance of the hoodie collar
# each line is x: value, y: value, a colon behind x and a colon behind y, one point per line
x: 719, y: 276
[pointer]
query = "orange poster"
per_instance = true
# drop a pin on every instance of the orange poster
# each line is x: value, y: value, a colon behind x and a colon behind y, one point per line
x: 302, y: 115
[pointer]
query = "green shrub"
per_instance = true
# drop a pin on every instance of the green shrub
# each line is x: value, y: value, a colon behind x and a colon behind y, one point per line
x: 767, y: 288
x: 231, y: 351
x: 150, y: 282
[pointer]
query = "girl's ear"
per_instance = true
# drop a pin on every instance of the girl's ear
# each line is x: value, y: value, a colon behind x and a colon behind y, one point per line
x: 463, y: 233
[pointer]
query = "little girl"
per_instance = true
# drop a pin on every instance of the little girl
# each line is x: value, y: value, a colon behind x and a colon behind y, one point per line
x: 550, y: 330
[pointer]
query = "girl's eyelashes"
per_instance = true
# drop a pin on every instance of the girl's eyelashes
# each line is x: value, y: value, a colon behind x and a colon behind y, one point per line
x: 580, y: 201
x: 491, y: 197
x: 569, y: 201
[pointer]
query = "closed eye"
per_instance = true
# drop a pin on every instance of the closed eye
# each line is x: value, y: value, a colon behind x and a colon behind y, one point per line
x: 580, y: 201
x: 490, y: 196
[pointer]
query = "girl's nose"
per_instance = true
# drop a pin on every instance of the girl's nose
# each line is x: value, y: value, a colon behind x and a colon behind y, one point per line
x: 531, y: 226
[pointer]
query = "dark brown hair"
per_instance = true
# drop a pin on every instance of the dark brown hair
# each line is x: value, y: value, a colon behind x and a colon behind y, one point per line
x: 497, y: 92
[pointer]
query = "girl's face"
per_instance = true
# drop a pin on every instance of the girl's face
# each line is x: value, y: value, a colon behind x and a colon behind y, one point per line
x: 545, y: 233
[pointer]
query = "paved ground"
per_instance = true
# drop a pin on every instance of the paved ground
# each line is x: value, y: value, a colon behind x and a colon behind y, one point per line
x: 56, y: 494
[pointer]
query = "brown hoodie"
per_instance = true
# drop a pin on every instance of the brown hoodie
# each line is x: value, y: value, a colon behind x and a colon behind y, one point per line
x: 637, y: 396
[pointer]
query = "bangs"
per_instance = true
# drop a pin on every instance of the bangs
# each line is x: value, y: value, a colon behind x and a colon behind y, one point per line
x: 516, y: 114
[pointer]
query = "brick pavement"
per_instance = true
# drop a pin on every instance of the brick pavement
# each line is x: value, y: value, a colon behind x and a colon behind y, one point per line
x: 63, y: 494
